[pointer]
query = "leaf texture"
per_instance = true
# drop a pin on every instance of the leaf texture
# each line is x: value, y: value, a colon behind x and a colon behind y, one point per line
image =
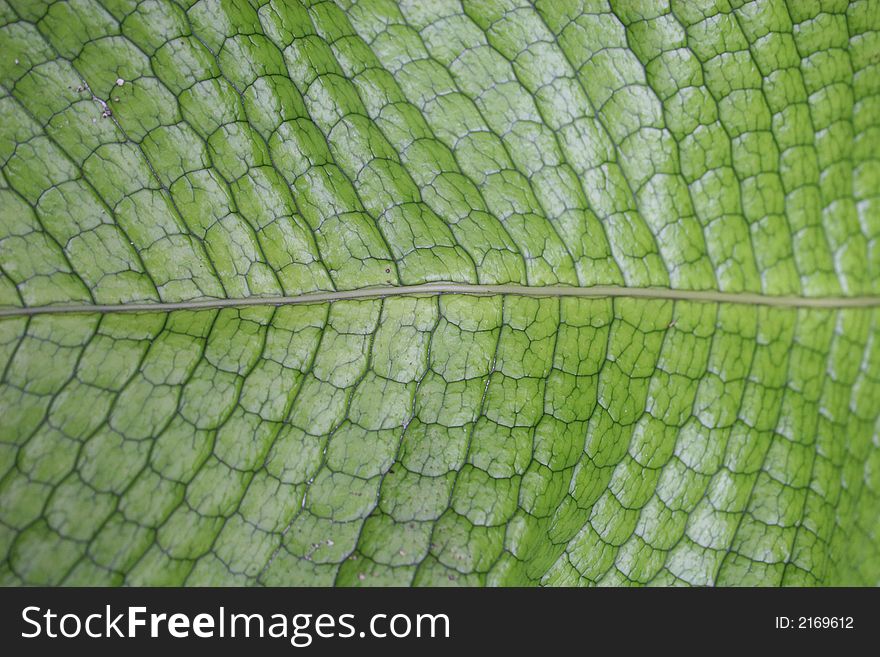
x: 173, y: 152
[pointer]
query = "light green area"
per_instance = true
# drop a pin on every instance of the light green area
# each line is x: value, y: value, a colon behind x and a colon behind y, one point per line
x: 280, y: 148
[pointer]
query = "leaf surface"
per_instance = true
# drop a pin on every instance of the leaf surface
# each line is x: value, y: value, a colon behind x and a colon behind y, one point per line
x: 191, y: 153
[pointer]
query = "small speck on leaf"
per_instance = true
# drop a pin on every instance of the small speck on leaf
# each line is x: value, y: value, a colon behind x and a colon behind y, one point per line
x: 119, y: 82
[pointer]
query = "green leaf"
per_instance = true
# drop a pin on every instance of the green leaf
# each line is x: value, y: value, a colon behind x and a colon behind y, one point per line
x: 479, y: 293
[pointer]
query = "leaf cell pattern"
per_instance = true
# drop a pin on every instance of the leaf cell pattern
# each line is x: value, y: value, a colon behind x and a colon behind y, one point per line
x: 158, y: 151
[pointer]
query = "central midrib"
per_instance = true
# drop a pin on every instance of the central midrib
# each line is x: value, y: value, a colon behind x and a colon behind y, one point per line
x: 595, y: 291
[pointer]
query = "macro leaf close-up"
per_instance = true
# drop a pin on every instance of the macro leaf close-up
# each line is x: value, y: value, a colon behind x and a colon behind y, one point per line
x: 453, y: 292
